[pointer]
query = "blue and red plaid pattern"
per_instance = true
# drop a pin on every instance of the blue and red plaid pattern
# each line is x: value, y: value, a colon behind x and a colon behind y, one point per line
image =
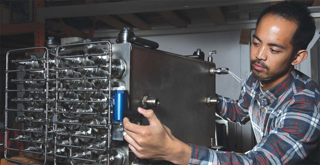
x: 285, y: 121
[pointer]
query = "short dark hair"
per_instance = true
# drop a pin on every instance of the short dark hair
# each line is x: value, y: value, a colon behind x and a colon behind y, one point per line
x: 298, y: 13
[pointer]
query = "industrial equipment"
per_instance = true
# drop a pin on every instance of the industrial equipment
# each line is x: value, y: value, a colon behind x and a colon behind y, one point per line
x: 70, y: 99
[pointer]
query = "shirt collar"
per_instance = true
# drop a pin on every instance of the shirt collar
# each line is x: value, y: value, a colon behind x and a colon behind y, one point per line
x: 274, y: 93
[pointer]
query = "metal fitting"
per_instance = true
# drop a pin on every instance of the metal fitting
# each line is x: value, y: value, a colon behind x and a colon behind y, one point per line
x: 149, y: 101
x: 212, y: 100
x: 219, y: 71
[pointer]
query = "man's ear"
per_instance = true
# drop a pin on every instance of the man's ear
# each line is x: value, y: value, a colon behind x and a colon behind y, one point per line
x: 299, y: 57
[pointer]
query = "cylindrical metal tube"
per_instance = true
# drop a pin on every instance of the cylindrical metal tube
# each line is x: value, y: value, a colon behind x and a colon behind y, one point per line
x: 120, y: 104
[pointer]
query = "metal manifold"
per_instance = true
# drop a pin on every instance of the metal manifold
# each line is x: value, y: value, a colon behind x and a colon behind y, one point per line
x: 71, y: 99
x: 63, y: 98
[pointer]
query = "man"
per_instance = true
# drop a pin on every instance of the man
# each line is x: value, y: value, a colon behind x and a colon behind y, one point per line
x: 282, y: 103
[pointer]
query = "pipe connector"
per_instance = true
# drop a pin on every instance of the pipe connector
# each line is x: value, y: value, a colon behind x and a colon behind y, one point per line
x: 219, y: 71
x: 212, y: 100
x: 149, y: 101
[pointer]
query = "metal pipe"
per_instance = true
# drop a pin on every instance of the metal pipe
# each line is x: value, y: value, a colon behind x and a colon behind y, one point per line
x: 82, y: 90
x: 85, y: 148
x: 82, y: 78
x: 81, y: 67
x: 6, y: 103
x: 25, y: 70
x: 55, y: 120
x: 6, y: 107
x: 26, y: 100
x: 27, y: 60
x: 82, y: 55
x: 18, y: 80
x: 88, y: 160
x: 84, y: 113
x: 109, y: 105
x: 21, y: 140
x: 25, y: 110
x: 28, y: 90
x: 81, y: 101
x: 81, y: 124
x: 47, y: 107
x: 22, y: 130
x: 56, y: 109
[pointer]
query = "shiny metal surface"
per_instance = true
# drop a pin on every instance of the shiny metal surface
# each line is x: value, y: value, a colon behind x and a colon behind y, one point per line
x: 68, y: 106
x: 34, y: 65
x: 149, y: 102
x: 212, y: 100
x: 182, y: 84
x: 67, y: 98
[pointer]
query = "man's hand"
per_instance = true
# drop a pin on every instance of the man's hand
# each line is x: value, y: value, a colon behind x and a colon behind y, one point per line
x: 155, y: 141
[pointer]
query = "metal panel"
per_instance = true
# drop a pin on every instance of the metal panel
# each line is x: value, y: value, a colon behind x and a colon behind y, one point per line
x: 181, y: 84
x: 122, y: 51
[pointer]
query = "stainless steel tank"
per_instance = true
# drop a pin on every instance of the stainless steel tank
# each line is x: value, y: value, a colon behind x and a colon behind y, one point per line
x: 63, y: 99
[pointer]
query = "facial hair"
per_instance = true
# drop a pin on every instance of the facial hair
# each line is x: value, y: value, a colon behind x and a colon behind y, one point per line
x: 268, y: 77
x: 262, y: 64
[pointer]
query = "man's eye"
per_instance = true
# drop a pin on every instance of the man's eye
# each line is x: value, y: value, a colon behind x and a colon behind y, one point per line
x: 274, y: 51
x: 255, y: 43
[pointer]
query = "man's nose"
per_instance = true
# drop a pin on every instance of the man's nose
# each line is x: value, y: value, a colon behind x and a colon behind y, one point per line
x: 262, y: 53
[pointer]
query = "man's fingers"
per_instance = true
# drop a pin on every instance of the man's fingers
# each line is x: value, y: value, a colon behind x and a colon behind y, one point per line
x: 134, y: 130
x: 134, y: 150
x: 130, y: 126
x: 131, y: 141
x: 150, y: 115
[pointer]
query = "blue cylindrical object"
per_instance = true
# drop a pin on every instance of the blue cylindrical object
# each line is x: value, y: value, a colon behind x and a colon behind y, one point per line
x: 120, y: 104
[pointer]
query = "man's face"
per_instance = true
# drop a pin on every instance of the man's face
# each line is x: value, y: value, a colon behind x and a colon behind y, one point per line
x: 270, y: 51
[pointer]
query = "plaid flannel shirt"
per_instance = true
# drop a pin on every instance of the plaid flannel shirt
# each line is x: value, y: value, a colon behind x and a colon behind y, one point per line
x: 285, y: 121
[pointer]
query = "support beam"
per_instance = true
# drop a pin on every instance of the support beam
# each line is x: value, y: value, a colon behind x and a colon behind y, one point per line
x: 24, y: 39
x: 61, y: 26
x: 4, y: 14
x: 51, y: 32
x: 55, y: 0
x: 274, y: 3
x: 39, y: 33
x: 65, y: 28
x: 92, y: 28
x: 112, y: 21
x: 174, y: 19
x: 17, y: 29
x: 176, y: 31
x: 315, y: 12
x: 216, y: 15
x: 245, y: 36
x: 89, y: 1
x: 136, y: 21
x: 133, y: 7
x: 94, y: 1
x: 7, y: 45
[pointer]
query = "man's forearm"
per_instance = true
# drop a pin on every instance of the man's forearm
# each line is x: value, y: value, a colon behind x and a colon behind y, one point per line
x: 181, y: 153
